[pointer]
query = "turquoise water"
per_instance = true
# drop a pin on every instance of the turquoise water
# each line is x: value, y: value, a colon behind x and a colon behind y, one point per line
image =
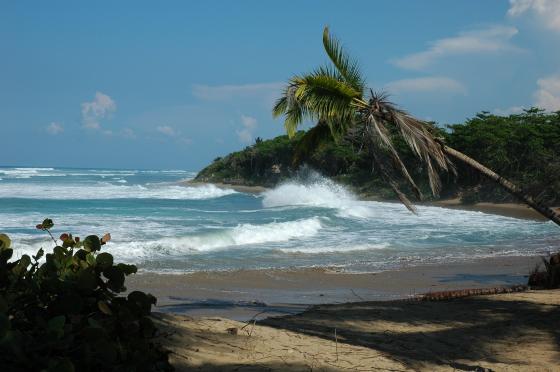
x: 161, y: 225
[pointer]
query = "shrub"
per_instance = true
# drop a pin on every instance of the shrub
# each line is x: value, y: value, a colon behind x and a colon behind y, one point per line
x: 550, y: 277
x: 66, y: 315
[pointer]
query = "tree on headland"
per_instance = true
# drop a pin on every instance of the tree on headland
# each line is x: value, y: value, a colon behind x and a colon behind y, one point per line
x: 336, y: 98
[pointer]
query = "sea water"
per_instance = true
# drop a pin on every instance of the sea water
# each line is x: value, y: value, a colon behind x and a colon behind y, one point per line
x: 163, y: 225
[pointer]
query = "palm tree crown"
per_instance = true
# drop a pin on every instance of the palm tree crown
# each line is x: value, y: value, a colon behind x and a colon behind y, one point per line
x: 335, y: 97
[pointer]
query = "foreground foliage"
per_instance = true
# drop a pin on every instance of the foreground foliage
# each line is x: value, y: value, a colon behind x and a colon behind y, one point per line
x: 66, y: 315
x: 548, y: 278
x: 523, y: 147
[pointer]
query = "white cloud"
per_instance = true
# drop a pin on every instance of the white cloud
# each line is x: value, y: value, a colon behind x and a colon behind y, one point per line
x: 227, y: 92
x: 548, y: 94
x: 245, y: 134
x: 249, y: 122
x: 426, y: 84
x: 262, y: 94
x: 508, y: 111
x: 166, y: 130
x: 547, y: 97
x: 128, y: 133
x: 489, y: 40
x: 547, y: 11
x: 96, y: 110
x: 55, y: 128
x: 174, y: 134
x: 185, y: 140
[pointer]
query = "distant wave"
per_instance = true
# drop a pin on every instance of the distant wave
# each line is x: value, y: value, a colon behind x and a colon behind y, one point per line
x: 109, y: 191
x: 25, y: 172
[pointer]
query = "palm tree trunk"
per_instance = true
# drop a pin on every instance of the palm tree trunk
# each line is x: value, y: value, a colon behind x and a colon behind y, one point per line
x: 507, y: 185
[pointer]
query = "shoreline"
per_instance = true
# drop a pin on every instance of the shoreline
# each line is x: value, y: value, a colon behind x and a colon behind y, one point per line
x: 242, y: 294
x: 515, y: 210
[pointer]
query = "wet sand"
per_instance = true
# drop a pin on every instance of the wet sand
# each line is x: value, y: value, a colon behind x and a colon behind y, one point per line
x: 245, y: 293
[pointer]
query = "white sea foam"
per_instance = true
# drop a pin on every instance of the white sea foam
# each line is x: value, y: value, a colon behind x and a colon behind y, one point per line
x: 110, y: 191
x: 318, y: 192
x: 335, y: 248
x: 241, y: 235
x: 25, y: 172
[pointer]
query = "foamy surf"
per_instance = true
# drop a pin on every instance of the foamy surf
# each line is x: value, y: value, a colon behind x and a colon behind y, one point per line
x: 307, y: 222
x: 318, y: 192
x: 106, y: 190
x: 244, y: 235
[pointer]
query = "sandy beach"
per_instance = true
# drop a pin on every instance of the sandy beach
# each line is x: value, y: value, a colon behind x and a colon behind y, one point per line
x: 278, y: 320
x: 516, y: 210
x: 504, y: 332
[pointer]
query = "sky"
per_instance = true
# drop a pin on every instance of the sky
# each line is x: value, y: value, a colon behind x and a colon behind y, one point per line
x: 174, y: 84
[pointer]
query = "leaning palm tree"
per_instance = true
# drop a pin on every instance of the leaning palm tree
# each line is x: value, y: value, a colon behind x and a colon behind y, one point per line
x: 336, y: 98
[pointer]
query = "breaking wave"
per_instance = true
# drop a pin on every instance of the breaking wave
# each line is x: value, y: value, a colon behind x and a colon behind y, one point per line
x: 317, y: 191
x: 238, y: 236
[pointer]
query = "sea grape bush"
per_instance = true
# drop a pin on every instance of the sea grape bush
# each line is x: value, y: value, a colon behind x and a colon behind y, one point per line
x: 66, y: 314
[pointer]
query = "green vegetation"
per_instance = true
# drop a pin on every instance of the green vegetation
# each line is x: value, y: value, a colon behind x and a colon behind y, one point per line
x: 524, y: 148
x: 549, y: 277
x: 335, y: 97
x: 66, y: 315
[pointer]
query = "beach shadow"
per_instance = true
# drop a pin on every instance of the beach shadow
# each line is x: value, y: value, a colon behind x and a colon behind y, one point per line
x: 237, y: 310
x: 462, y: 332
x: 200, y: 344
x: 253, y: 367
x: 487, y: 279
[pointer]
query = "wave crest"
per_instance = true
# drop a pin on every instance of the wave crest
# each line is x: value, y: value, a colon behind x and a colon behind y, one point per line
x: 241, y: 235
x: 317, y: 191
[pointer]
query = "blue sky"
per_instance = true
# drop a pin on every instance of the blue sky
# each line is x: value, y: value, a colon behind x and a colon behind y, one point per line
x: 143, y: 84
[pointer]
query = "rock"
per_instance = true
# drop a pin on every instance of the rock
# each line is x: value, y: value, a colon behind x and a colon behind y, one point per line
x: 232, y: 330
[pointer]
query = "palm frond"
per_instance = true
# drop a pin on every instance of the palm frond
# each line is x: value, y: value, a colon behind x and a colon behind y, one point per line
x: 310, y: 141
x: 347, y: 68
x: 381, y: 136
x: 384, y: 170
x: 417, y: 136
x: 280, y: 106
x: 316, y: 96
x: 293, y: 112
x: 326, y: 98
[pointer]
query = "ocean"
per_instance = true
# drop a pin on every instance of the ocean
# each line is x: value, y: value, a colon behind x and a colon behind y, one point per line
x: 161, y: 225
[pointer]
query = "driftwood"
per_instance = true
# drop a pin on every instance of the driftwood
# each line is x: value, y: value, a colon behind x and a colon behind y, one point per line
x: 460, y: 293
